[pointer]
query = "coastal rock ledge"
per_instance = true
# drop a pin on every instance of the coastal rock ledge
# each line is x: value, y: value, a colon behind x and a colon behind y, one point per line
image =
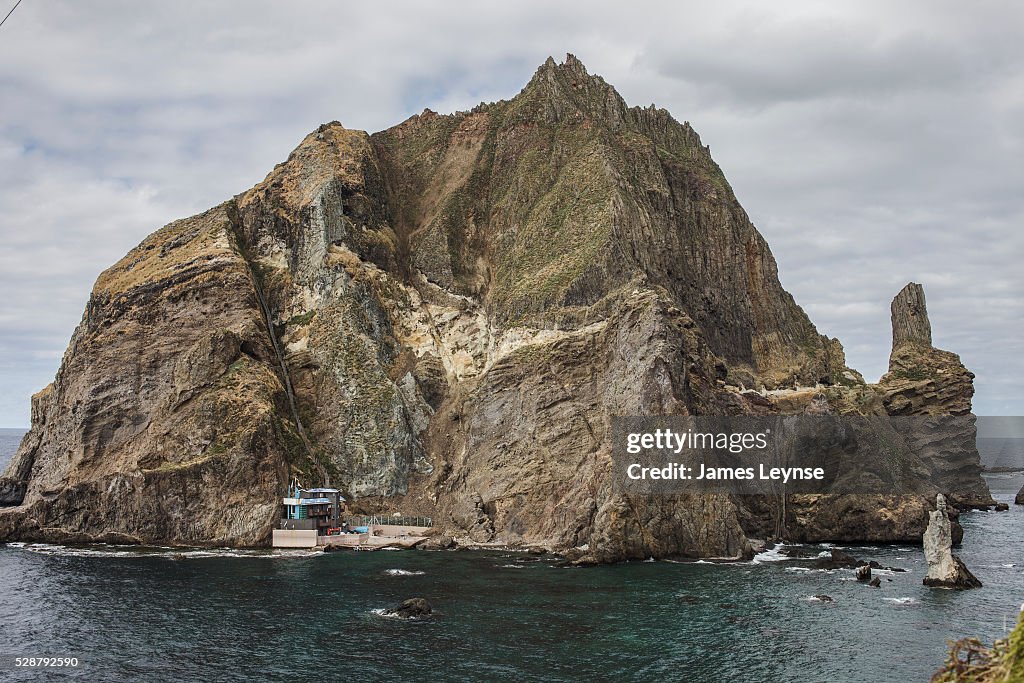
x: 441, y: 319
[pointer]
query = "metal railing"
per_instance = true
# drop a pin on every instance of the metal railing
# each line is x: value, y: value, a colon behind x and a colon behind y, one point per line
x: 304, y: 524
x: 400, y: 520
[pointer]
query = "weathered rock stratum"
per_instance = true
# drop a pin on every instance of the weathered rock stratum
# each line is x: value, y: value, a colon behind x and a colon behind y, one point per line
x: 442, y: 318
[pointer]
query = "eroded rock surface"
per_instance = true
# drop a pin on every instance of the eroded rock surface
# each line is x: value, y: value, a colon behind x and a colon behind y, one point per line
x: 442, y: 319
x: 945, y: 570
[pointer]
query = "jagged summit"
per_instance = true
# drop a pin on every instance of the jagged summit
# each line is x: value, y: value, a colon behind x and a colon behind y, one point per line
x: 560, y: 92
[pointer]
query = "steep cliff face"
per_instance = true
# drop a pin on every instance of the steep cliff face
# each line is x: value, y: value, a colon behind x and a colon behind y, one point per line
x: 166, y: 408
x: 441, y: 318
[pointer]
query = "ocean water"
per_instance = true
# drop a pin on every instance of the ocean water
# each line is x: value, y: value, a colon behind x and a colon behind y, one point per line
x: 156, y: 614
x: 9, y: 440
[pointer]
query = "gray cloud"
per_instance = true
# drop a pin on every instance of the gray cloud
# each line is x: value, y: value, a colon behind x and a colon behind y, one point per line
x: 872, y: 143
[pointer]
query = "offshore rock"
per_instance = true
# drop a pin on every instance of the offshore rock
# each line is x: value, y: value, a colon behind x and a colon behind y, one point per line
x: 413, y: 608
x: 945, y: 570
x: 1019, y: 498
x: 442, y: 318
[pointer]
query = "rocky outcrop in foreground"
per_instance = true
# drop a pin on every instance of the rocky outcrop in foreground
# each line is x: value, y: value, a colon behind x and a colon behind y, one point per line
x: 442, y: 318
x: 945, y: 570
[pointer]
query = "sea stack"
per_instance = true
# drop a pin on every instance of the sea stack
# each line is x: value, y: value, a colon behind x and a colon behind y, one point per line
x: 924, y: 381
x: 945, y: 570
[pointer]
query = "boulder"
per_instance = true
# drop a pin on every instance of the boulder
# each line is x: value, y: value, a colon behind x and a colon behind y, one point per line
x: 875, y: 565
x: 837, y: 560
x: 945, y: 570
x: 864, y: 572
x: 413, y: 608
x: 875, y: 582
x: 436, y: 542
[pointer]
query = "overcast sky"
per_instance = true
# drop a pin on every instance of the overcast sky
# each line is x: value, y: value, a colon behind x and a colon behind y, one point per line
x: 871, y: 143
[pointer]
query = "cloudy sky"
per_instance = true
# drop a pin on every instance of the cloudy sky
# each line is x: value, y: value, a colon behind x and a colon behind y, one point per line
x: 872, y: 143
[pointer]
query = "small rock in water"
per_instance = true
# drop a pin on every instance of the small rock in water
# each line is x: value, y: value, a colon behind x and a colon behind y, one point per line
x: 1002, y: 507
x: 824, y: 598
x: 875, y: 565
x: 837, y: 560
x: 864, y: 572
x: 413, y: 608
x: 875, y: 582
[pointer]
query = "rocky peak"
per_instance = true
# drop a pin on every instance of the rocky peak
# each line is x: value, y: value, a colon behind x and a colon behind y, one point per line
x: 910, y: 322
x: 922, y: 379
x: 569, y: 91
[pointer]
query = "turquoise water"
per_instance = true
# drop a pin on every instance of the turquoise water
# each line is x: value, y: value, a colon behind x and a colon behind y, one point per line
x: 132, y: 614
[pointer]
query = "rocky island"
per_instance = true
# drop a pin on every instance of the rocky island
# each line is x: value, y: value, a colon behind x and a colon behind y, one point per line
x: 442, y: 318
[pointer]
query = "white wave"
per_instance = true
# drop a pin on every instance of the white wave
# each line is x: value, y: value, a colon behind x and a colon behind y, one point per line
x: 815, y: 598
x: 16, y: 544
x: 511, y: 566
x: 403, y: 572
x: 901, y: 601
x: 772, y: 555
x: 128, y: 551
x: 649, y: 559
